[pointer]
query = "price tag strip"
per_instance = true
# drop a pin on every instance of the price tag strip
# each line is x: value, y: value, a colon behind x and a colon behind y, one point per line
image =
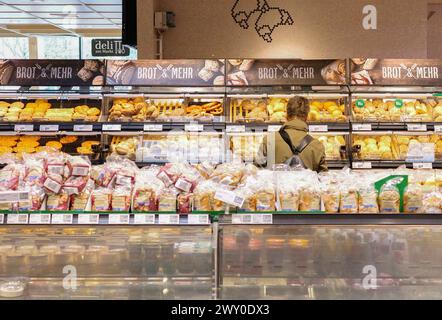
x: 111, y: 127
x: 242, y: 219
x: 119, y: 219
x: 194, y: 127
x: 153, y: 127
x: 416, y: 127
x: 422, y: 165
x: 2, y: 218
x: 235, y: 129
x: 17, y: 218
x: 62, y: 218
x: 85, y: 218
x: 318, y: 128
x: 198, y: 219
x: 44, y: 218
x: 24, y: 128
x: 83, y: 128
x: 49, y: 127
x: 362, y: 127
x: 362, y: 165
x: 274, y: 128
x: 262, y: 218
x: 172, y: 219
x: 144, y: 219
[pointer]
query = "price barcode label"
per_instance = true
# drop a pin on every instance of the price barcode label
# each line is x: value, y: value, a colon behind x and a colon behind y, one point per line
x: 318, y: 128
x: 40, y: 218
x: 241, y: 218
x: 62, y: 218
x: 84, y: 218
x: 262, y: 219
x: 2, y: 218
x: 169, y: 219
x: 119, y: 219
x: 422, y: 165
x: 194, y: 127
x: 229, y: 197
x: 274, y: 128
x: 83, y: 128
x: 235, y: 129
x: 362, y: 127
x: 49, y: 127
x: 362, y: 165
x: 438, y: 128
x: 416, y: 127
x: 111, y: 127
x: 153, y: 127
x: 183, y: 185
x: 198, y: 219
x: 144, y: 219
x: 17, y: 218
x: 24, y: 127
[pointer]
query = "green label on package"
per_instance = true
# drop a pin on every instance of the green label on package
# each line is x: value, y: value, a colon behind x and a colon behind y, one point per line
x: 399, y: 103
x: 360, y: 103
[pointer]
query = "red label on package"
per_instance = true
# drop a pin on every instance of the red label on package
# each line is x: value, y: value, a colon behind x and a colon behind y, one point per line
x: 56, y: 169
x: 80, y: 171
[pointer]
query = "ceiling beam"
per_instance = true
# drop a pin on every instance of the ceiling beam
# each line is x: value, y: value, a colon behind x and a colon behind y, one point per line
x: 97, y: 12
x: 14, y: 31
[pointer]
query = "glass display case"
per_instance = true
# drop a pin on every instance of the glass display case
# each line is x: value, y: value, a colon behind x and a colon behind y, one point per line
x: 105, y: 262
x: 317, y: 260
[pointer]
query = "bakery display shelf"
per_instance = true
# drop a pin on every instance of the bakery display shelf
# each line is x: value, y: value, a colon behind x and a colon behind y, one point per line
x: 322, y: 218
x: 318, y: 127
x: 359, y: 126
x: 58, y: 127
x: 393, y: 164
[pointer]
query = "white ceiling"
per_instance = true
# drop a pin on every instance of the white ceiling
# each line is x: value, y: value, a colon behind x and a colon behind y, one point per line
x: 75, y: 17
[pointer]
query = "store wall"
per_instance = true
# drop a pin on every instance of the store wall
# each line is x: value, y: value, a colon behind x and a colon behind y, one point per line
x: 322, y: 28
x: 146, y: 33
x: 434, y: 41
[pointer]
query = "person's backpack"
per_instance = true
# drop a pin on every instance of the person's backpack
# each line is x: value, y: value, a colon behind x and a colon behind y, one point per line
x: 295, y: 160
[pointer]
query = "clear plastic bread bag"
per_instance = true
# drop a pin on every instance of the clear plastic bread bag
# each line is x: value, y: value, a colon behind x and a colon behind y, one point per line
x: 330, y: 196
x: 265, y: 191
x: 367, y: 198
x: 147, y: 191
x: 413, y: 199
x: 310, y: 193
x: 389, y: 198
x: 288, y: 191
x: 432, y: 203
x: 203, y: 196
x: 348, y: 202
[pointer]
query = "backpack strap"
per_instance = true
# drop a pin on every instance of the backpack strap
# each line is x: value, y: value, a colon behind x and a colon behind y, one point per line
x: 305, y: 142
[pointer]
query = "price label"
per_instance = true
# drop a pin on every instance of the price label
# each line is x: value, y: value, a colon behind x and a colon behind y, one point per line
x: 262, y: 218
x: 62, y: 218
x: 24, y: 127
x: 2, y: 218
x: 119, y: 219
x: 422, y: 165
x: 242, y: 219
x: 49, y: 127
x: 362, y: 165
x: 11, y: 196
x: 153, y: 127
x: 438, y: 128
x: 194, y: 127
x: 416, y: 127
x: 83, y: 128
x: 111, y: 127
x: 169, y: 219
x: 198, y: 219
x: 183, y: 185
x: 361, y: 127
x: 17, y: 218
x: 44, y: 218
x: 84, y: 218
x: 229, y: 197
x: 318, y: 128
x: 144, y: 219
x: 235, y: 129
x: 274, y: 128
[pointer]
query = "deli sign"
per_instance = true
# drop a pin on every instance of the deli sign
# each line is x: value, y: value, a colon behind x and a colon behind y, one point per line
x: 396, y: 71
x: 109, y: 48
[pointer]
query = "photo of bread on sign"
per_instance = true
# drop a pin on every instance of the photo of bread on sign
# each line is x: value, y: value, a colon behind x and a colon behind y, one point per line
x: 6, y: 69
x: 243, y: 9
x: 120, y: 72
x: 270, y: 19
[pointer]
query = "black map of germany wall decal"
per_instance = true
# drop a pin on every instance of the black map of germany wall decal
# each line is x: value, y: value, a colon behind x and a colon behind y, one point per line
x: 269, y: 18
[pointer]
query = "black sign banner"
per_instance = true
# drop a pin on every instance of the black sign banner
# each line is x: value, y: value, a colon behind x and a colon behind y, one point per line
x: 166, y: 73
x: 247, y: 72
x: 109, y: 48
x: 419, y: 72
x: 52, y: 72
